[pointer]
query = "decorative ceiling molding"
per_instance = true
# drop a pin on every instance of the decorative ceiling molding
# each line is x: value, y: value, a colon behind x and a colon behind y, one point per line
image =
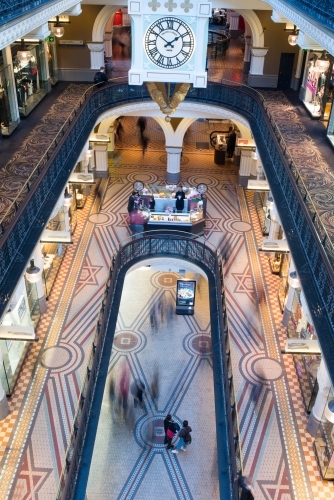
x: 17, y: 29
x: 305, y: 24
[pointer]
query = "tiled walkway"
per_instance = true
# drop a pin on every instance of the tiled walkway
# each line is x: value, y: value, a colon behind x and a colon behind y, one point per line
x: 277, y: 452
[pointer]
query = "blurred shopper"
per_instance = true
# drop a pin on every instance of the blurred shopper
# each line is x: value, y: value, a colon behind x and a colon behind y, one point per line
x: 185, y: 437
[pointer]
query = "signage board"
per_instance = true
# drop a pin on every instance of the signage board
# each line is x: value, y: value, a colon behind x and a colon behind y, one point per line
x: 185, y: 292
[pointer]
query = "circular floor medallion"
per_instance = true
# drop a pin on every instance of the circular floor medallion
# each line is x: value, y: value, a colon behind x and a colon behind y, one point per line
x: 236, y: 226
x: 127, y: 341
x: 151, y: 431
x: 166, y: 280
x: 99, y: 218
x: 200, y: 344
x: 267, y: 369
x: 56, y: 357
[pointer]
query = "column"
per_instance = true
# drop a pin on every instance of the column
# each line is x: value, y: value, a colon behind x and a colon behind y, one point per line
x: 111, y: 143
x: 324, y: 383
x: 259, y: 173
x: 8, y: 61
x: 90, y: 156
x: 45, y: 67
x: 34, y: 275
x: 108, y: 44
x: 274, y: 227
x: 255, y: 76
x: 234, y: 21
x: 96, y: 54
x: 101, y: 160
x: 247, y: 54
x: 294, y: 284
x: 67, y: 203
x: 4, y: 408
x: 173, y: 164
x: 246, y: 162
x: 296, y: 78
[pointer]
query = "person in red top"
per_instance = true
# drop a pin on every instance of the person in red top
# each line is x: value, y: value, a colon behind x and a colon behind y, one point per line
x: 137, y: 221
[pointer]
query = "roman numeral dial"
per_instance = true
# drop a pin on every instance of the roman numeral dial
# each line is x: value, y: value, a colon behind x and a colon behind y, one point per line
x: 169, y: 42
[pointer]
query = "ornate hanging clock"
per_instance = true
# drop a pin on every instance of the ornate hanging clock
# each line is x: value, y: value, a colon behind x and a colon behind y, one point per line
x: 169, y: 42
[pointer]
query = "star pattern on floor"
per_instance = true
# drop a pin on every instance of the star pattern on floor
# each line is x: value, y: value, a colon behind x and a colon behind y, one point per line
x: 278, y: 488
x: 31, y: 478
x: 244, y: 283
x: 88, y: 275
x: 212, y: 225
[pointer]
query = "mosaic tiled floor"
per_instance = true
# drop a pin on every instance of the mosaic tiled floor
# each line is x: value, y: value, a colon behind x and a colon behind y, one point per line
x: 265, y: 384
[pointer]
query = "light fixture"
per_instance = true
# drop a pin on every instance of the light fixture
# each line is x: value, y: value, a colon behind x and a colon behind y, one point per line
x: 322, y: 63
x: 58, y: 30
x: 23, y: 54
x: 292, y: 39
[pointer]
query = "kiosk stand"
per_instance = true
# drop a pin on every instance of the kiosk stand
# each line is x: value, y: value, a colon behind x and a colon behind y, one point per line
x: 185, y: 296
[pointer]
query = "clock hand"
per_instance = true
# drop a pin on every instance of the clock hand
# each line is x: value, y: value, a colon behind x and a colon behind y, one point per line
x: 172, y: 41
x: 162, y: 37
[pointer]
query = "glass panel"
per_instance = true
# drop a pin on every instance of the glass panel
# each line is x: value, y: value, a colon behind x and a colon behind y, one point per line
x: 324, y: 442
x: 14, y: 353
x: 4, y: 379
x: 30, y: 78
x: 8, y: 124
x: 57, y: 223
x: 53, y: 255
x: 51, y: 53
x: 33, y: 302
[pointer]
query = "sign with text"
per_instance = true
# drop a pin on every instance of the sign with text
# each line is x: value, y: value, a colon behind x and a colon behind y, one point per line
x: 185, y: 293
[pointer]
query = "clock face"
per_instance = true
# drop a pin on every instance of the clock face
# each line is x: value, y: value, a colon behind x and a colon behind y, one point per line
x: 138, y: 185
x: 169, y: 42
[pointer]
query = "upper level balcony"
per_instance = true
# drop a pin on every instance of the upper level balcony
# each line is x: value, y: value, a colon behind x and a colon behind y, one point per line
x: 12, y: 9
x: 321, y: 11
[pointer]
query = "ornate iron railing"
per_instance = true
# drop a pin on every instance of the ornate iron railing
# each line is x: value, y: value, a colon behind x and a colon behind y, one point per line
x: 321, y: 11
x: 12, y: 9
x: 311, y: 246
x: 74, y: 477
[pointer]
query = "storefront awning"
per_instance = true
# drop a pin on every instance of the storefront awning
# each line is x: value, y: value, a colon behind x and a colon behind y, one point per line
x: 50, y: 236
x: 257, y: 185
x: 301, y: 346
x: 280, y: 246
x: 18, y: 332
x: 81, y: 178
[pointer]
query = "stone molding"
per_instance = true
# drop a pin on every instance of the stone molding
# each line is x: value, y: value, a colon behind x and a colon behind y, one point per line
x: 18, y: 28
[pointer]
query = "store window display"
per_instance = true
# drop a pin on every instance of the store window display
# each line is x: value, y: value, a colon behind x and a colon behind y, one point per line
x: 318, y: 87
x: 30, y: 77
x: 8, y: 124
x: 23, y: 312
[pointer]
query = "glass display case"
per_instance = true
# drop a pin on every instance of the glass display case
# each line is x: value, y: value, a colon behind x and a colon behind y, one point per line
x: 324, y: 440
x: 190, y: 222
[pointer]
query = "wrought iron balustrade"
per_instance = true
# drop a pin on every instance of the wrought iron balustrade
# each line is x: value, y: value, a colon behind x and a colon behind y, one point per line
x: 74, y: 477
x: 322, y: 11
x: 12, y: 9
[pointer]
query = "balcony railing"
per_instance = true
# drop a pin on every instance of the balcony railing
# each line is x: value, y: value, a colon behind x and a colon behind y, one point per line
x: 310, y: 244
x: 322, y: 11
x: 12, y: 9
x: 74, y: 477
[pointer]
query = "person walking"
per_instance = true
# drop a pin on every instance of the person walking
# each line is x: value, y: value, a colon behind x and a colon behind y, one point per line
x: 185, y: 437
x: 171, y: 428
x: 137, y: 221
x: 137, y: 389
x: 247, y: 492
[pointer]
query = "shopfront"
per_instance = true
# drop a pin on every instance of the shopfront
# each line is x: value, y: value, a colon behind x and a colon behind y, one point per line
x: 7, y: 96
x: 318, y: 85
x: 79, y: 185
x: 17, y: 324
x: 30, y: 73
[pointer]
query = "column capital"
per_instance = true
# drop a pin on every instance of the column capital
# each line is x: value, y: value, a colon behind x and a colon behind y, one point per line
x: 95, y: 46
x: 259, y: 51
x: 171, y: 149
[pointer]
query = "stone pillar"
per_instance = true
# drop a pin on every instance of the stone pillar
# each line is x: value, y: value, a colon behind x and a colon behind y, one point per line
x: 234, y: 21
x: 294, y: 284
x: 274, y: 227
x: 4, y: 408
x: 324, y: 383
x: 246, y: 162
x: 259, y: 173
x: 247, y: 54
x: 173, y: 164
x: 101, y: 160
x: 228, y: 17
x: 111, y: 143
x: 34, y: 275
x: 257, y: 61
x: 8, y: 61
x: 67, y: 203
x: 108, y: 44
x: 255, y: 75
x: 96, y: 54
x: 296, y: 78
x: 90, y: 156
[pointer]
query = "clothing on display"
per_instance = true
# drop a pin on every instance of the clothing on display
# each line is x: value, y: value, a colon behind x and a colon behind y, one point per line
x: 5, y: 116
